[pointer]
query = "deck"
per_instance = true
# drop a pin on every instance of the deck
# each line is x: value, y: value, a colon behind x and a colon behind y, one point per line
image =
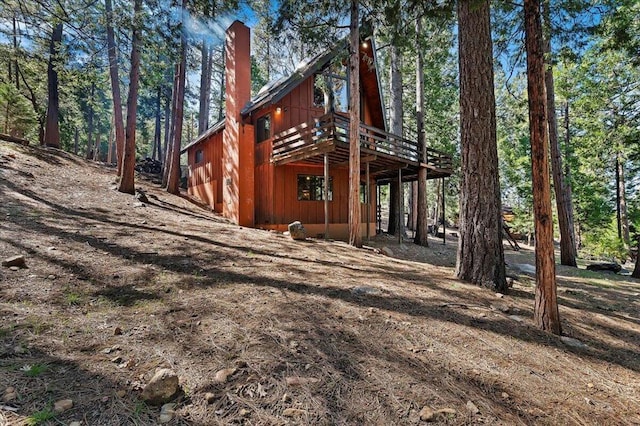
x: 385, y: 152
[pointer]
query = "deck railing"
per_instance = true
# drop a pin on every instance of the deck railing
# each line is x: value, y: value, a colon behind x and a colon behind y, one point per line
x: 335, y: 128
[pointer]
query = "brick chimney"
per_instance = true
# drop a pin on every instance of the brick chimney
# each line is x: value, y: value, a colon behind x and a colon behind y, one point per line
x: 238, y: 138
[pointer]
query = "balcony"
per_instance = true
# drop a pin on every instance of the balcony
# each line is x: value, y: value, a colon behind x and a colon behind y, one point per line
x: 385, y: 152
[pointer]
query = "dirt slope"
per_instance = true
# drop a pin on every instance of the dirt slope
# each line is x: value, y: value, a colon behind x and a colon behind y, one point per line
x: 114, y: 290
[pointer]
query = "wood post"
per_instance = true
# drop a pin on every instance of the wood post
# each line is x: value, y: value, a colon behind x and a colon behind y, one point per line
x: 325, y: 196
x: 400, y: 217
x: 444, y: 226
x: 368, y: 202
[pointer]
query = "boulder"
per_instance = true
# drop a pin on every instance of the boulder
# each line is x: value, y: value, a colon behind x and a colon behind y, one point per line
x: 14, y: 261
x: 608, y: 267
x: 162, y: 387
x: 297, y: 231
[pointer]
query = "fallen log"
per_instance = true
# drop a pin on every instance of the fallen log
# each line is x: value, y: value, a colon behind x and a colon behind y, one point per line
x: 14, y: 139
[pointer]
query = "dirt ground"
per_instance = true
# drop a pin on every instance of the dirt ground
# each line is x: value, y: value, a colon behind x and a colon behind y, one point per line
x: 317, y: 332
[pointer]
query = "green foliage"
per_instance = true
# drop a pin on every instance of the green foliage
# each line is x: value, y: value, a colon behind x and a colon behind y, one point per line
x: 17, y: 117
x: 34, y: 370
x: 603, y: 242
x: 40, y: 417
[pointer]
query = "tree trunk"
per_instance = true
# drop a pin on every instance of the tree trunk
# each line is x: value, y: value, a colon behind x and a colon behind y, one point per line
x: 567, y: 175
x: 621, y: 199
x: 422, y: 233
x: 157, y: 134
x: 167, y: 132
x: 52, y: 126
x: 546, y: 304
x: 129, y: 158
x: 355, y: 239
x: 563, y: 205
x: 76, y: 138
x: 636, y: 270
x: 480, y: 258
x: 396, y: 127
x: 96, y: 147
x: 115, y: 87
x: 173, y: 115
x: 205, y: 88
x: 88, y: 152
x: 15, y: 52
x: 173, y: 181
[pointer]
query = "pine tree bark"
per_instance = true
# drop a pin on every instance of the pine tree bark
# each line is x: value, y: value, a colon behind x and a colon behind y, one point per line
x: 174, y: 113
x: 422, y: 234
x: 173, y: 181
x: 355, y: 239
x: 480, y: 257
x: 115, y: 87
x: 157, y: 134
x: 546, y: 304
x: 396, y: 127
x: 636, y: 270
x: 621, y: 198
x: 564, y: 206
x: 127, y: 184
x: 88, y: 154
x: 52, y: 125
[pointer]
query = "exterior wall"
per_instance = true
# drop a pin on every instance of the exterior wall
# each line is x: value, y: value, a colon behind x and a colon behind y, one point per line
x: 205, y: 178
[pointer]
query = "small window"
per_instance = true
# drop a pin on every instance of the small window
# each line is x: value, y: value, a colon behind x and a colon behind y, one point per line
x: 363, y: 193
x: 318, y: 91
x: 199, y: 156
x: 311, y: 188
x: 263, y: 128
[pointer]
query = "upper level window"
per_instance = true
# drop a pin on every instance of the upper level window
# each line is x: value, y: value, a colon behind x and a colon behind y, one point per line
x: 311, y: 188
x: 263, y: 128
x: 199, y: 156
x: 332, y: 82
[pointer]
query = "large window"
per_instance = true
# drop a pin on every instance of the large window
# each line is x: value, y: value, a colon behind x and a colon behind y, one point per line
x: 263, y: 128
x: 311, y: 188
x: 199, y: 156
x: 332, y: 81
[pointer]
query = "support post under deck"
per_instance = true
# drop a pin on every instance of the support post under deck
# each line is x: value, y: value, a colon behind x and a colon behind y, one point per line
x: 444, y: 226
x: 400, y: 217
x: 368, y: 203
x: 325, y: 196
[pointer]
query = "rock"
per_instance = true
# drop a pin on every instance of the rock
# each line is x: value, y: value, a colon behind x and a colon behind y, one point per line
x: 75, y: 423
x: 293, y: 412
x: 223, y: 375
x: 500, y: 295
x: 473, y: 409
x: 162, y: 387
x: 9, y: 396
x: 51, y: 277
x: 137, y: 205
x: 574, y: 343
x: 297, y: 231
x: 117, y: 331
x: 516, y: 318
x: 167, y: 412
x: 505, y: 395
x: 427, y: 414
x: 300, y: 381
x: 117, y: 360
x: 286, y: 398
x: 364, y: 290
x: 18, y: 261
x: 14, y: 268
x: 386, y: 251
x: 244, y: 412
x: 121, y: 393
x: 62, y: 405
x: 209, y: 397
x: 608, y: 267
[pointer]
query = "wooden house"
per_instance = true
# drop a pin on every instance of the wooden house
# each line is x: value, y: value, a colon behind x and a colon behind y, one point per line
x: 266, y: 163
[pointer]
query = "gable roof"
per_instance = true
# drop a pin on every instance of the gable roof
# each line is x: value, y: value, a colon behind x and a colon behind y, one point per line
x: 276, y: 90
